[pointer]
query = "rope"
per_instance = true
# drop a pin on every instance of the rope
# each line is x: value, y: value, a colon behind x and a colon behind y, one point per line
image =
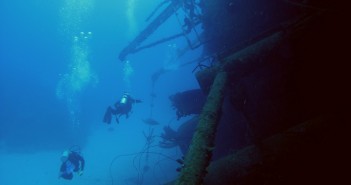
x: 136, y: 155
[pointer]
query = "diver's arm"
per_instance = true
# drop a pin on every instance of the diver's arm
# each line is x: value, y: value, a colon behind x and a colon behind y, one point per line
x: 82, y: 162
x: 135, y: 100
x: 62, y: 170
x: 63, y: 167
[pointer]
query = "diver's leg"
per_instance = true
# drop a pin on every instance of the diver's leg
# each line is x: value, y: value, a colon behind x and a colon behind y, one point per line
x: 117, y: 117
x: 108, y: 115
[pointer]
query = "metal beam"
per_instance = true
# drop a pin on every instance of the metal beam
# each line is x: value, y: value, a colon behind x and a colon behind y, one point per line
x: 152, y: 27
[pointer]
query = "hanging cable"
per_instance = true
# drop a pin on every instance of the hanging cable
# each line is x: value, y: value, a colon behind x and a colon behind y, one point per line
x: 192, y: 16
x: 182, y: 28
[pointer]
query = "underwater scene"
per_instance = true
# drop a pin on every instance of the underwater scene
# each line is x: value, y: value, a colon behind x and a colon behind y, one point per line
x: 172, y: 92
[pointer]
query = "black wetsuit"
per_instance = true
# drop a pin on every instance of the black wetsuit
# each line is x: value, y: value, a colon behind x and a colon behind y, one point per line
x: 120, y: 109
x: 74, y: 163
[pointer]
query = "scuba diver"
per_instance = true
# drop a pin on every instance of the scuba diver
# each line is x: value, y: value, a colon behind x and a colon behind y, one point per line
x: 72, y: 161
x: 123, y: 107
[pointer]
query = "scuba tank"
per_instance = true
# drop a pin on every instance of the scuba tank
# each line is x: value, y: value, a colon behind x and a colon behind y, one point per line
x: 124, y: 98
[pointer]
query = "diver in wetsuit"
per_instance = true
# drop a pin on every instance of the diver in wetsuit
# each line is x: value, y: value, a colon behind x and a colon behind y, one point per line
x: 72, y: 161
x: 123, y: 107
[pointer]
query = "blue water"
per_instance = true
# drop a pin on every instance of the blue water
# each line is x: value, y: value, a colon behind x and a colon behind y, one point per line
x: 56, y: 82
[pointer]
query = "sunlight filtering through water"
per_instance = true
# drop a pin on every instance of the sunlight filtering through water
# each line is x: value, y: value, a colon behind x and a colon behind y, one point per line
x: 130, y: 13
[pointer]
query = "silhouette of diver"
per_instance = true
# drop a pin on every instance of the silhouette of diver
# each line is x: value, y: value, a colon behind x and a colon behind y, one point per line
x: 123, y: 107
x: 72, y: 161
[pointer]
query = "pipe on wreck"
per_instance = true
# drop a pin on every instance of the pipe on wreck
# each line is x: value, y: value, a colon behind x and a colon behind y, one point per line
x: 200, y: 151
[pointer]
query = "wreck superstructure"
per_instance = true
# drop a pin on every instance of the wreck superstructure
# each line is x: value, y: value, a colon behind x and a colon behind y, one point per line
x: 277, y: 65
